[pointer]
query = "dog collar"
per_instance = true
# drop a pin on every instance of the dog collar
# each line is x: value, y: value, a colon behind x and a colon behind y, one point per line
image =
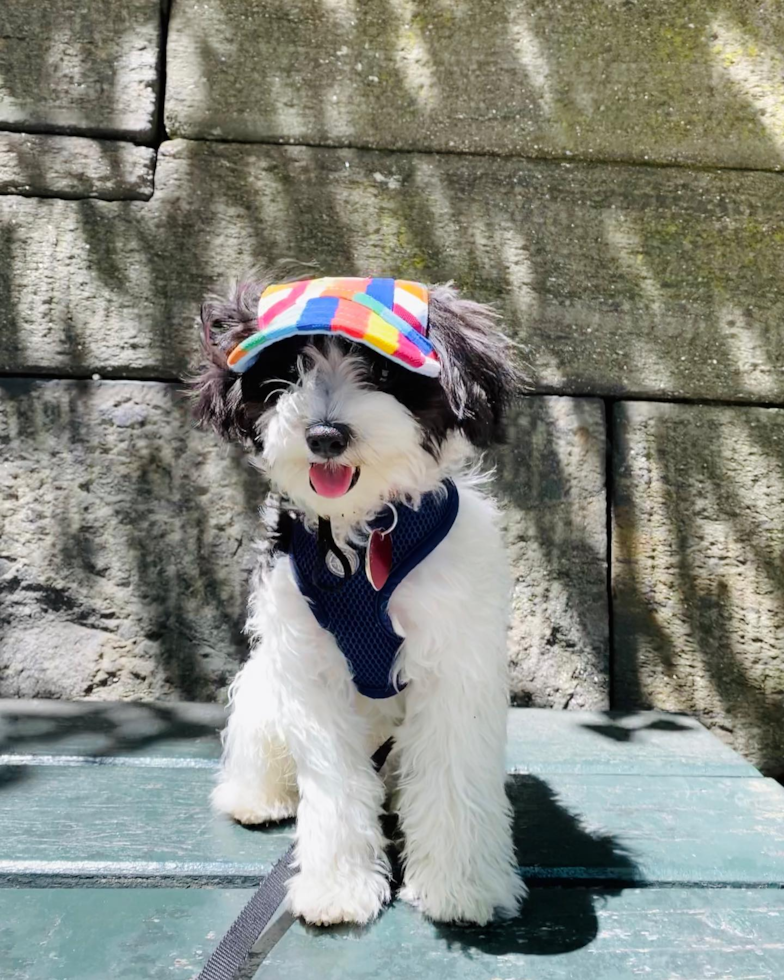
x: 388, y: 315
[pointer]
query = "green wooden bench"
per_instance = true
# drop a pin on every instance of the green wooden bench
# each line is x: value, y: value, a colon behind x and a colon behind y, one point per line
x: 651, y: 850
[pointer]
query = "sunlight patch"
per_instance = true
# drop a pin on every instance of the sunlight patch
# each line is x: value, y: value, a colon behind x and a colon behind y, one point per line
x: 755, y: 72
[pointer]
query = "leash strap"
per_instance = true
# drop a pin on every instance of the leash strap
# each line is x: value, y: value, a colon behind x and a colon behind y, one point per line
x: 234, y: 948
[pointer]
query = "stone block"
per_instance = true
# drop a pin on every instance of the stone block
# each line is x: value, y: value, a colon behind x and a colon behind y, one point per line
x: 550, y: 477
x: 615, y: 280
x: 698, y: 573
x: 665, y: 81
x: 75, y: 167
x: 80, y: 68
x: 125, y: 544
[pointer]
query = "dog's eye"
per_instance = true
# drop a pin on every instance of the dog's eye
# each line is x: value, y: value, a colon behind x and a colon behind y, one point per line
x: 382, y: 375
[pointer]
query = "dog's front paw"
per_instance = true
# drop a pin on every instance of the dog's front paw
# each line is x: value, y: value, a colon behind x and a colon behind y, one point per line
x: 249, y: 805
x: 460, y: 901
x: 324, y: 900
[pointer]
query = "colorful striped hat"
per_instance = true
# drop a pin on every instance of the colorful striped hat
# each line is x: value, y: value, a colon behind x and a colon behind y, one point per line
x: 387, y: 315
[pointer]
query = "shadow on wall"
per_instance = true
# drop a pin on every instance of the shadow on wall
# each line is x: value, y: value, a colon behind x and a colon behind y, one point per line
x: 550, y: 477
x: 698, y: 572
x: 616, y: 280
x: 72, y: 70
x: 125, y: 544
x: 676, y: 81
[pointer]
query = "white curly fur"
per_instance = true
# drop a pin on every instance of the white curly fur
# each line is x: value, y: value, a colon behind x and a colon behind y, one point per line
x: 300, y: 736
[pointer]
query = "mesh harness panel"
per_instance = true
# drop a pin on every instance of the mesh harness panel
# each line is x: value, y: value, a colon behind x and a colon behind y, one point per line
x: 351, y: 610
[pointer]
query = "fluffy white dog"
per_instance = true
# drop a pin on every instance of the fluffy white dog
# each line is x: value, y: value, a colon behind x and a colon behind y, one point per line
x: 366, y: 442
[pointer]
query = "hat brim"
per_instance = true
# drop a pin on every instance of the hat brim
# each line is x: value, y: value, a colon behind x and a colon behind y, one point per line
x: 354, y: 321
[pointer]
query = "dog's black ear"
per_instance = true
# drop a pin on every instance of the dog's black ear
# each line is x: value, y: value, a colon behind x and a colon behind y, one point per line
x: 478, y: 373
x: 220, y: 399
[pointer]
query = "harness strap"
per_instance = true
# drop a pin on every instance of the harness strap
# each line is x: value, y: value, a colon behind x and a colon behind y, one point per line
x: 326, y: 543
x: 234, y: 948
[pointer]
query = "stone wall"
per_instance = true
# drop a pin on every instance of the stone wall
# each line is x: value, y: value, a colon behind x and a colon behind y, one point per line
x: 698, y: 567
x: 607, y: 173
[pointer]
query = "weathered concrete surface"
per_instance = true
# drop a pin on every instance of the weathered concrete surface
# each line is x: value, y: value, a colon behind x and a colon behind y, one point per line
x: 551, y: 482
x: 698, y: 569
x: 75, y: 167
x: 686, y: 81
x: 125, y: 544
x: 76, y: 67
x: 618, y: 280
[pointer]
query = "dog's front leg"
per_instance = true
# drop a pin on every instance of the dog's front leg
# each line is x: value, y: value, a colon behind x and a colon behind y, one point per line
x: 343, y: 869
x: 459, y: 857
x: 450, y: 748
x: 257, y: 782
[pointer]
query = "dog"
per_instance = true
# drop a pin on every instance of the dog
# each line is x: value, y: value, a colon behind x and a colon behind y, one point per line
x: 379, y: 601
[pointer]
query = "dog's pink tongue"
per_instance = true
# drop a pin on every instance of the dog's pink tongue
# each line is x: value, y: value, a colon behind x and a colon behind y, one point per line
x: 331, y: 481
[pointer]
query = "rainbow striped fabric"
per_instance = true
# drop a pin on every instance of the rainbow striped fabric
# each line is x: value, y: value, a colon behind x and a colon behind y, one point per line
x: 388, y: 315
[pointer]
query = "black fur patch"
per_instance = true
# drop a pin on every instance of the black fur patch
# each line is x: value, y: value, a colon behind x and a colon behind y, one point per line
x: 228, y: 402
x: 478, y: 374
x: 283, y: 532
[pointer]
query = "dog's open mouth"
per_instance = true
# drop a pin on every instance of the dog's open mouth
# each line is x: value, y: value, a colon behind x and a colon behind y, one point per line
x: 332, y: 480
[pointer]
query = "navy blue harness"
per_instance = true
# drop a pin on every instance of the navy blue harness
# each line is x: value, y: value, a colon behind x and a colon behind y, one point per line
x: 351, y: 609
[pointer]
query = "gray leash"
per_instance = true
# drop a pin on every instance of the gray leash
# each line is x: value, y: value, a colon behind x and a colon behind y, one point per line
x: 234, y: 948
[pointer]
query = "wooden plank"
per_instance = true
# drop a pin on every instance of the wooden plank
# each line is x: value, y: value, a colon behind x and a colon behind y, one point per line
x: 541, y: 740
x: 110, y: 823
x: 644, y: 743
x: 114, y: 732
x: 677, y: 830
x: 676, y: 81
x: 100, y: 933
x: 96, y: 933
x: 671, y: 934
x: 615, y: 279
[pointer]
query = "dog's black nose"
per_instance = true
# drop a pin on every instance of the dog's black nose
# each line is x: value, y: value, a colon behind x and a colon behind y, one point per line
x: 327, y: 439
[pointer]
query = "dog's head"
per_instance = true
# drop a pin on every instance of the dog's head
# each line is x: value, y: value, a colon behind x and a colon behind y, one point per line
x: 339, y: 427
